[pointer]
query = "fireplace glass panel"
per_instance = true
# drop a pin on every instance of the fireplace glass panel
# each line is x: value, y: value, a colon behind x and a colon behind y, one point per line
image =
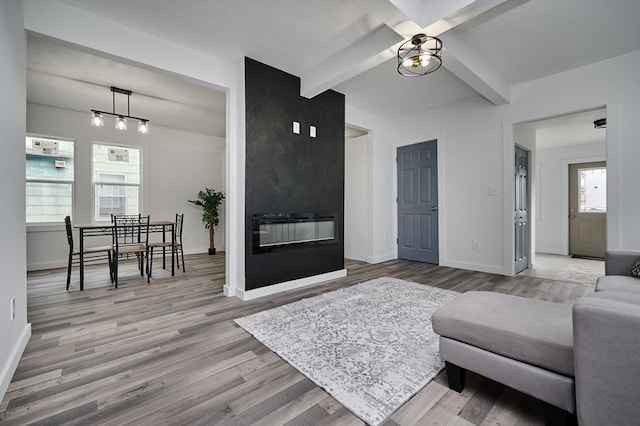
x: 280, y: 230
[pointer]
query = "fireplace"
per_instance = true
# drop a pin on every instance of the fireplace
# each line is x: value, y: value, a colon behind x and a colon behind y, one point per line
x: 278, y: 231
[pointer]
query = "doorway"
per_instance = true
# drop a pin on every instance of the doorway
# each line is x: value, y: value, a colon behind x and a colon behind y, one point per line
x: 521, y: 211
x: 418, y: 202
x: 556, y: 143
x: 587, y: 209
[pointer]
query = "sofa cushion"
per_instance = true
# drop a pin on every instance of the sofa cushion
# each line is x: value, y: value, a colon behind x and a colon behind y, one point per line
x: 618, y: 296
x: 528, y: 330
x: 618, y: 283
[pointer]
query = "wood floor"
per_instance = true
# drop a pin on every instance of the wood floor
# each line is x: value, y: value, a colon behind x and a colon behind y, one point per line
x: 169, y: 353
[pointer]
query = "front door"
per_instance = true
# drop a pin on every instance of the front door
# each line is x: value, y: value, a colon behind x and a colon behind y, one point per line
x: 521, y: 212
x: 418, y: 202
x: 587, y: 209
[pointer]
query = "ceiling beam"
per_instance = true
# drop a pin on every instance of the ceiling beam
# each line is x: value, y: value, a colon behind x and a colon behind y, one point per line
x: 362, y: 55
x: 403, y: 19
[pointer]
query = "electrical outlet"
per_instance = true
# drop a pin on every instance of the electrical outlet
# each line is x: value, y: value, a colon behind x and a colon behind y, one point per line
x: 13, y: 308
x: 475, y: 245
x: 296, y: 127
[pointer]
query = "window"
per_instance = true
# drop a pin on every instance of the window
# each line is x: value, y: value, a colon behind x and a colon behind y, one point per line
x: 592, y: 190
x: 49, y: 179
x: 116, y: 181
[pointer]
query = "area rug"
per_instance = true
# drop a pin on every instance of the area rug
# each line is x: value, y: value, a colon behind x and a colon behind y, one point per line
x: 370, y: 346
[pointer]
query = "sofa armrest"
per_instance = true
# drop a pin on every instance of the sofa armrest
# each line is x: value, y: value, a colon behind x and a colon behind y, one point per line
x: 620, y: 262
x: 606, y: 336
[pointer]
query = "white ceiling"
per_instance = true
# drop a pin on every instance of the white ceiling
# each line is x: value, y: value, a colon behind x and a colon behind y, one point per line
x: 347, y: 45
x: 570, y: 129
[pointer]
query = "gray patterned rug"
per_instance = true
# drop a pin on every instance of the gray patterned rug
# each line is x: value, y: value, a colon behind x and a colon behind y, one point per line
x: 370, y: 346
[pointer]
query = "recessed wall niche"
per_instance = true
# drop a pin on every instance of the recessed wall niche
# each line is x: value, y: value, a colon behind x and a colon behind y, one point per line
x: 292, y: 176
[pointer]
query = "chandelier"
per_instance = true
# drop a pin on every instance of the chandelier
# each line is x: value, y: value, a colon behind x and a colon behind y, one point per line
x: 419, y: 56
x: 97, y: 117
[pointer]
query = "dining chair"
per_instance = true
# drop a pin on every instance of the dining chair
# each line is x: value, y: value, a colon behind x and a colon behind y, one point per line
x: 175, y: 245
x: 90, y: 253
x: 135, y: 235
x: 178, y: 240
x: 130, y: 238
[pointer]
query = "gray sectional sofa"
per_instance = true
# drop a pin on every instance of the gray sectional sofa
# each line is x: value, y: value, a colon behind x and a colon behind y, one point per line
x: 582, y: 360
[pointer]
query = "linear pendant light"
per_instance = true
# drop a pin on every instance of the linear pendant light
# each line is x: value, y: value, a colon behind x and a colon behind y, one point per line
x: 97, y: 117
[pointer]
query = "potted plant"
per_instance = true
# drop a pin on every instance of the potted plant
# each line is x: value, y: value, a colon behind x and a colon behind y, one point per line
x: 209, y: 200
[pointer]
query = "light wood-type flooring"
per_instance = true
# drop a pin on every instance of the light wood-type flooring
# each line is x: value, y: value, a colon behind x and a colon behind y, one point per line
x: 169, y: 353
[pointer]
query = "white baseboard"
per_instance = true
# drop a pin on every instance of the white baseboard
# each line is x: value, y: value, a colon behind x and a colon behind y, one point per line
x: 380, y: 259
x: 285, y: 286
x: 550, y: 251
x: 490, y: 269
x: 14, y: 358
x: 355, y: 256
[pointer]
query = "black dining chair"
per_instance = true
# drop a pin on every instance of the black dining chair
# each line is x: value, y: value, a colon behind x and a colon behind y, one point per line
x: 90, y: 254
x: 130, y: 237
x: 175, y: 245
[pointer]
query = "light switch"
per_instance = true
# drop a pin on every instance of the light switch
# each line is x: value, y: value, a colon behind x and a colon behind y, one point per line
x: 312, y: 131
x: 296, y: 127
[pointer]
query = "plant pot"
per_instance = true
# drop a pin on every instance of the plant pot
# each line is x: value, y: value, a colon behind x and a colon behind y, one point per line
x: 212, y: 251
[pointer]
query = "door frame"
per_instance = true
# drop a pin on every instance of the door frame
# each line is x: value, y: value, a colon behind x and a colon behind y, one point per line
x: 610, y: 101
x: 440, y: 155
x: 530, y: 207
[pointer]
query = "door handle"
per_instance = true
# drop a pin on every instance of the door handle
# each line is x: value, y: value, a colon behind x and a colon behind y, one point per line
x: 572, y: 216
x: 434, y: 208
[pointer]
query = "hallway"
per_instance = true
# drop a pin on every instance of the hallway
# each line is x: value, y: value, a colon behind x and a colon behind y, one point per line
x: 565, y: 268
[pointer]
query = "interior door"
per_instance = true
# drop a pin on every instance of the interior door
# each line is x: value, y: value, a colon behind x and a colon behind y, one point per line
x: 588, y: 209
x: 521, y: 210
x: 418, y: 202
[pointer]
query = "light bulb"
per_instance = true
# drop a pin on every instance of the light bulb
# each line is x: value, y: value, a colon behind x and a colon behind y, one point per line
x: 412, y: 61
x: 143, y: 127
x: 97, y: 119
x: 121, y: 123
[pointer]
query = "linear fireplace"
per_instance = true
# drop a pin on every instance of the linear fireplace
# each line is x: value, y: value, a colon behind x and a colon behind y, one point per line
x: 275, y: 231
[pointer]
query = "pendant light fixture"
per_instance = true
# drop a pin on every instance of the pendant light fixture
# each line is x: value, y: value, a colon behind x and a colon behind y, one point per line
x: 419, y: 56
x: 97, y: 117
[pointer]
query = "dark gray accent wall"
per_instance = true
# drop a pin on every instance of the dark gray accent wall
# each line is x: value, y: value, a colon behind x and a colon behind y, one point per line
x: 291, y: 173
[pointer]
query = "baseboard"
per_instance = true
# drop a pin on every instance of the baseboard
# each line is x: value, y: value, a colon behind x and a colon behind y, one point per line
x: 14, y: 359
x: 380, y: 259
x: 550, y: 251
x: 47, y: 265
x: 354, y: 256
x: 490, y: 269
x: 285, y: 286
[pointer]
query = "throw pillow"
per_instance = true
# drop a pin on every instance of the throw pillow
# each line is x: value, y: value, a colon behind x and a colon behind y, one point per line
x: 635, y: 271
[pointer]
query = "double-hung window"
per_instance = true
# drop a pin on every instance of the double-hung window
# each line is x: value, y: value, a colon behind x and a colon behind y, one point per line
x: 116, y: 180
x: 49, y: 179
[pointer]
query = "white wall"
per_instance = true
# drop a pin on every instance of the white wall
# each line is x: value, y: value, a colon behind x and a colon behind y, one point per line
x: 552, y: 231
x: 176, y: 165
x: 14, y: 333
x: 356, y: 198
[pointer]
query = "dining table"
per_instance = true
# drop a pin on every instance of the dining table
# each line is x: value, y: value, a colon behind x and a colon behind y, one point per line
x: 106, y: 229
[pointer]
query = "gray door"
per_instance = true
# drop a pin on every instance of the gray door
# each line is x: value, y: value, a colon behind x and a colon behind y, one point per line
x: 588, y: 209
x: 418, y: 202
x: 521, y: 211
